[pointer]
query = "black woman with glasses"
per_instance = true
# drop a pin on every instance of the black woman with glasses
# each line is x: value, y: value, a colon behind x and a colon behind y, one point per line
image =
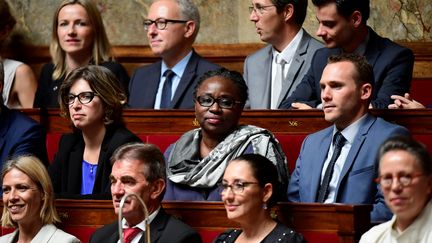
x: 249, y: 189
x: 405, y: 177
x: 78, y: 39
x: 171, y: 27
x: 197, y: 161
x: 92, y: 98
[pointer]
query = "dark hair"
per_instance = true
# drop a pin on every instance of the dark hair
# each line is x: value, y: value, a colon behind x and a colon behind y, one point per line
x: 363, y: 68
x: 347, y: 7
x: 7, y: 19
x: 413, y: 147
x: 233, y: 76
x: 103, y: 82
x: 150, y: 156
x: 300, y: 8
x: 264, y: 172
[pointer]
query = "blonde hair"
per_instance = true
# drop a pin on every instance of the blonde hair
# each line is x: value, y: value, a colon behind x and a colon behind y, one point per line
x: 101, y: 47
x: 36, y: 171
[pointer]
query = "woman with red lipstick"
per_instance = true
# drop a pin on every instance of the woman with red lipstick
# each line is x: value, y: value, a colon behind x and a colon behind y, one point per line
x: 28, y: 203
x: 405, y: 169
x: 92, y: 99
x: 78, y: 39
x: 249, y: 188
x: 196, y: 162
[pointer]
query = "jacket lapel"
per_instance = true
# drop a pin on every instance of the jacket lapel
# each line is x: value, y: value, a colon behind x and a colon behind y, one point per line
x: 186, y: 79
x: 75, y: 167
x: 321, y: 155
x: 157, y: 226
x: 151, y: 86
x: 296, y: 64
x: 355, y: 149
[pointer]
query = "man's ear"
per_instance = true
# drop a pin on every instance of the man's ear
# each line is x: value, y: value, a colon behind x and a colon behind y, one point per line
x: 190, y: 29
x: 288, y: 12
x: 157, y: 188
x: 356, y: 18
x: 366, y: 91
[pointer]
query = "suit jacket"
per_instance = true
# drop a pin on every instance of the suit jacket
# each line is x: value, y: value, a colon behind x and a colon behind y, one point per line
x: 47, y: 92
x: 144, y: 84
x: 163, y: 229
x: 47, y: 234
x: 20, y: 135
x: 258, y: 72
x: 356, y: 183
x: 392, y: 66
x: 66, y: 169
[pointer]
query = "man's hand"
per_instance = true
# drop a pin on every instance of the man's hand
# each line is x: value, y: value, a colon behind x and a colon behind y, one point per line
x: 300, y: 106
x: 404, y: 102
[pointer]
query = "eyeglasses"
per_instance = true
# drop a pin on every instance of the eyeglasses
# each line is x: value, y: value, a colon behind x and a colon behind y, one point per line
x: 405, y: 180
x: 258, y: 9
x: 83, y: 97
x: 223, y: 102
x: 236, y: 187
x: 160, y: 23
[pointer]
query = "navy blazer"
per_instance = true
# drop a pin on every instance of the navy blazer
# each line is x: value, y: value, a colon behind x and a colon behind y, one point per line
x: 66, y: 169
x: 392, y: 66
x: 144, y: 84
x: 19, y: 135
x: 356, y: 183
x: 163, y: 229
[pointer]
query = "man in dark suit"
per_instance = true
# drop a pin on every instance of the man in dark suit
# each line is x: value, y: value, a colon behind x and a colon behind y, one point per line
x: 338, y: 164
x: 290, y: 48
x: 172, y: 27
x: 343, y: 28
x: 140, y: 169
x: 19, y: 134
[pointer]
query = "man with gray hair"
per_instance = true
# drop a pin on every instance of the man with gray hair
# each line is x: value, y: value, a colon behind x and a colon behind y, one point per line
x: 19, y: 134
x: 171, y: 26
x: 140, y: 169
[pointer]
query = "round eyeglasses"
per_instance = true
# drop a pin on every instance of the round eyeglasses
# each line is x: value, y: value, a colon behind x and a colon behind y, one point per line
x: 404, y: 180
x: 160, y: 23
x: 223, y: 102
x: 83, y: 97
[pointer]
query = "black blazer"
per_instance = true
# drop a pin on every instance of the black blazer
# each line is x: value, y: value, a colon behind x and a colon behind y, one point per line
x: 163, y: 229
x: 144, y: 84
x: 66, y: 169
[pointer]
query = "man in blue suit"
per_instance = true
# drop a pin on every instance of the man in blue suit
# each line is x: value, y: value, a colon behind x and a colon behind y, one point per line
x: 343, y: 28
x: 19, y: 134
x: 279, y: 23
x: 348, y: 176
x: 172, y: 27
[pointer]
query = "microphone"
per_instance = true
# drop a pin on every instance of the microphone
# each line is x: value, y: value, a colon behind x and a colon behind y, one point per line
x: 146, y: 215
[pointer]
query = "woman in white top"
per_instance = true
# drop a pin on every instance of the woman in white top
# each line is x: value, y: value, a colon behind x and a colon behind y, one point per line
x: 20, y: 83
x: 28, y: 203
x: 405, y: 168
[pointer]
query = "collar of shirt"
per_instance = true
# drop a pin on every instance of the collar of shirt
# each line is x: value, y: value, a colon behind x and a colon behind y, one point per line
x: 141, y: 225
x: 178, y: 69
x: 288, y: 52
x: 351, y: 131
x: 361, y: 49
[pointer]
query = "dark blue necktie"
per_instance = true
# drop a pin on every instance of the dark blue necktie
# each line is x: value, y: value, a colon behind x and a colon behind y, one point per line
x: 339, y: 142
x: 166, y: 90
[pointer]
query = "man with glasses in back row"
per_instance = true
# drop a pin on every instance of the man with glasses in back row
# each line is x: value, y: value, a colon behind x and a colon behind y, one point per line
x: 171, y: 26
x: 273, y: 72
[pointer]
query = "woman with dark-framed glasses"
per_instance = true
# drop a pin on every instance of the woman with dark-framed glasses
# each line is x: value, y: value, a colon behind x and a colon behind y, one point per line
x: 405, y: 177
x: 249, y: 188
x: 93, y: 100
x: 196, y: 162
